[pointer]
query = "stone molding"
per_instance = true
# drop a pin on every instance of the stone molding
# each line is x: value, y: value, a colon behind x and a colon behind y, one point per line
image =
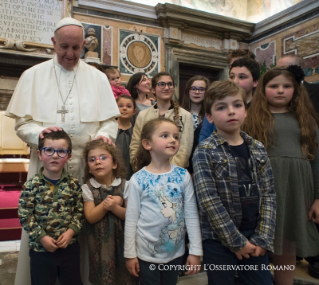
x: 176, y: 53
x: 193, y: 21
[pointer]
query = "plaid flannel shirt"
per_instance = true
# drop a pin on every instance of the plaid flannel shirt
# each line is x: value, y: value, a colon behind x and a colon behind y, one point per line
x: 216, y: 186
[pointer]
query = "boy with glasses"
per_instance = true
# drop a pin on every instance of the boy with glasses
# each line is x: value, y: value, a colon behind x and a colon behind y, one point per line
x: 51, y: 211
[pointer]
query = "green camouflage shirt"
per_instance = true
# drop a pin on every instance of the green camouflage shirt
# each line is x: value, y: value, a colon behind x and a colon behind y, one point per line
x: 42, y: 212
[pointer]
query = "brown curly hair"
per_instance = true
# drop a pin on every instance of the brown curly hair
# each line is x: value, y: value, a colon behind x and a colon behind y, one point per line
x: 118, y: 172
x: 143, y: 156
x: 260, y: 121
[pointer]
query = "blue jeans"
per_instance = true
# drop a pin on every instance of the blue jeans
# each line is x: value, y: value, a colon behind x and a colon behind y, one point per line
x: 158, y: 276
x: 252, y: 271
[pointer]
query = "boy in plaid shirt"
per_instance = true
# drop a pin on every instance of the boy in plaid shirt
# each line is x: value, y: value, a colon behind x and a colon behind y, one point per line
x: 234, y: 185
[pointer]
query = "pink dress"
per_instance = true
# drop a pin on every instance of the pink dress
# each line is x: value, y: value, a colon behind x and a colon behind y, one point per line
x: 119, y: 90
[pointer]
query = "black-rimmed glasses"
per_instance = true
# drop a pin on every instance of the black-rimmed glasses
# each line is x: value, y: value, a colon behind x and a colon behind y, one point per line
x: 162, y: 84
x: 61, y: 152
x: 199, y: 89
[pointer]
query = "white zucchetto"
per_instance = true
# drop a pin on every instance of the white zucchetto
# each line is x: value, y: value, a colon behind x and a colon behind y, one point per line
x: 67, y: 21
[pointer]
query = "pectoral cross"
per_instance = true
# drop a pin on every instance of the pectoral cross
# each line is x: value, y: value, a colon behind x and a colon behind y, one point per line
x: 63, y: 112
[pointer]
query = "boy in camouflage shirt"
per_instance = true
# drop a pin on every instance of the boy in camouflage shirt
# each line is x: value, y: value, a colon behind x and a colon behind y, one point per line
x: 51, y: 211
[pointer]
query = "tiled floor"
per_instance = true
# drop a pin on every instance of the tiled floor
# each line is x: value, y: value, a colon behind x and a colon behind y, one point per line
x: 302, y: 277
x: 8, y: 263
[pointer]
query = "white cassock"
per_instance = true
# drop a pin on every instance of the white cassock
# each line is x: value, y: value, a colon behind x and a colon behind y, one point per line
x: 91, y: 111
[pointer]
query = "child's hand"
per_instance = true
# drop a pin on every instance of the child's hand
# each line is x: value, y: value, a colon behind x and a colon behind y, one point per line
x: 133, y: 266
x: 260, y: 251
x: 314, y: 212
x: 245, y: 251
x: 194, y: 264
x: 65, y: 239
x: 117, y: 199
x: 49, y: 243
x: 109, y: 203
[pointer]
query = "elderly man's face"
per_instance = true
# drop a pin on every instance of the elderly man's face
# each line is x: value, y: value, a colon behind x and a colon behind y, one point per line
x: 68, y: 43
x: 286, y: 61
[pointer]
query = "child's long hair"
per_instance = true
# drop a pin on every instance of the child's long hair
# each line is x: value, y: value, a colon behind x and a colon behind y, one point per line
x: 143, y: 157
x: 155, y: 80
x: 187, y: 101
x: 260, y: 121
x: 118, y: 172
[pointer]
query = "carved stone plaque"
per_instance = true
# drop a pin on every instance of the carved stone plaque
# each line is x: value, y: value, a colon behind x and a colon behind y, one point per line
x: 29, y: 20
x: 202, y: 42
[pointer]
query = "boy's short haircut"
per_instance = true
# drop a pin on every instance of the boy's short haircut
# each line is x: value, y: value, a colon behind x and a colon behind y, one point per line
x: 251, y: 64
x: 124, y: 96
x: 246, y: 53
x: 221, y: 89
x: 59, y: 135
x: 112, y: 70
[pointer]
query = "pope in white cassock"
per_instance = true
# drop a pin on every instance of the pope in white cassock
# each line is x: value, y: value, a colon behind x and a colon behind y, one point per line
x: 63, y: 92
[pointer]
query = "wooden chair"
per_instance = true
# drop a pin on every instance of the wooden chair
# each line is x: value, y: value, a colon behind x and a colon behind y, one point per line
x: 11, y: 144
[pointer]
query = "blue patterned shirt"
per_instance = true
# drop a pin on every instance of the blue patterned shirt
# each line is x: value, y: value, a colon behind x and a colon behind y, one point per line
x: 159, y: 206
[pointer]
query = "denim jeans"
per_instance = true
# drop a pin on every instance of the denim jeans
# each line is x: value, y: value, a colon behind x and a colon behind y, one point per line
x: 158, y: 276
x: 252, y: 271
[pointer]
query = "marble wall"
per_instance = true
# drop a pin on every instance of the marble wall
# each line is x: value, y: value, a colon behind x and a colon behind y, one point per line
x: 302, y: 40
x: 138, y: 52
x: 130, y: 56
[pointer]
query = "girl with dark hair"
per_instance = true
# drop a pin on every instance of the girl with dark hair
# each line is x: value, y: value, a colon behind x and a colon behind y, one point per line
x: 163, y: 88
x: 127, y: 109
x: 193, y: 102
x: 283, y: 119
x: 139, y: 87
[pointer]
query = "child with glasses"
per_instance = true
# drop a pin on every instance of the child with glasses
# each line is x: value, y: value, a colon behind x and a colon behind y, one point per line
x: 163, y: 88
x: 193, y: 101
x: 104, y: 210
x: 51, y: 211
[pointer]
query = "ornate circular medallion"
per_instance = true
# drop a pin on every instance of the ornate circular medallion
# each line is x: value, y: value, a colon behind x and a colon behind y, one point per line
x: 138, y: 54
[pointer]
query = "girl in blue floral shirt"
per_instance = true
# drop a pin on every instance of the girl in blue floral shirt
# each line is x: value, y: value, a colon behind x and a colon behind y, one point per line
x: 160, y: 201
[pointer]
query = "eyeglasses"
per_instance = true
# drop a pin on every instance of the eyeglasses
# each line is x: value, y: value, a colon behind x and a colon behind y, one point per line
x: 61, y: 152
x: 200, y: 89
x: 101, y: 158
x: 162, y: 85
